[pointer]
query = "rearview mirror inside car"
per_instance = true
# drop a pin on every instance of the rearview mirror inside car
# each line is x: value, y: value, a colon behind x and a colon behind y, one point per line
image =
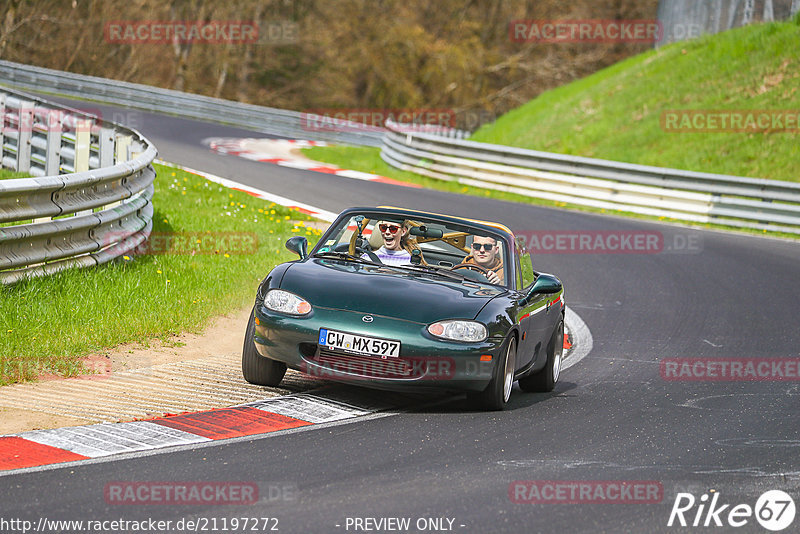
x: 424, y: 231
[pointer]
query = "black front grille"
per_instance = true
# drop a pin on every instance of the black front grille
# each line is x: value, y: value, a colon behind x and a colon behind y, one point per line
x: 366, y: 366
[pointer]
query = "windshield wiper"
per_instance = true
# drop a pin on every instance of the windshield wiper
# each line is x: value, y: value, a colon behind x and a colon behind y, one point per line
x: 435, y: 270
x: 342, y: 256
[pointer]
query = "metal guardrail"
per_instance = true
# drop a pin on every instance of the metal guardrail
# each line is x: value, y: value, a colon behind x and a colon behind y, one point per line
x: 441, y: 153
x: 291, y: 124
x: 89, y: 199
x: 281, y: 122
x: 691, y: 196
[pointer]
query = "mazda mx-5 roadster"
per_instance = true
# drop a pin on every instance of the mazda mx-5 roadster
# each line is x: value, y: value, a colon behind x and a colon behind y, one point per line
x: 405, y: 300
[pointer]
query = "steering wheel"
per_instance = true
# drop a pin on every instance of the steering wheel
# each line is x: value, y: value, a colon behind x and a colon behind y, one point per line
x: 472, y: 267
x: 345, y: 247
x: 483, y: 272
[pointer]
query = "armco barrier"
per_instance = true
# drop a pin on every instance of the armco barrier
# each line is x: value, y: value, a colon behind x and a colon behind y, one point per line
x: 89, y: 197
x: 691, y: 196
x: 281, y: 122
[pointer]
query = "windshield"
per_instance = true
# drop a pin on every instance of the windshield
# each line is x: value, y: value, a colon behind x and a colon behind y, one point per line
x: 420, y: 245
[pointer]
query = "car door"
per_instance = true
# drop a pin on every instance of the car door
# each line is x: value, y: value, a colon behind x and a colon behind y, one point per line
x: 532, y: 312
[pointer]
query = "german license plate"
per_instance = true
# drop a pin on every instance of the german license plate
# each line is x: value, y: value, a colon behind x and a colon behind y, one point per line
x: 372, y: 346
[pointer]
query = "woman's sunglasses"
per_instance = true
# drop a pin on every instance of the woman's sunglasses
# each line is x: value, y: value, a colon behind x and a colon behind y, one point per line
x: 486, y: 246
x: 392, y: 229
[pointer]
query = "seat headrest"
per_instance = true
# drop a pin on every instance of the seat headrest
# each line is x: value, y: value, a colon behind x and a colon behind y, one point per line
x: 375, y: 239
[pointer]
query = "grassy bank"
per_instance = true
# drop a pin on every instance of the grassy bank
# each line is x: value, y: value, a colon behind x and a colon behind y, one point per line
x: 48, y: 325
x: 617, y: 113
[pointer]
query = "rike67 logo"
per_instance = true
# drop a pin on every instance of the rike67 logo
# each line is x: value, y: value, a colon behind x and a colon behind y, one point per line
x: 774, y: 510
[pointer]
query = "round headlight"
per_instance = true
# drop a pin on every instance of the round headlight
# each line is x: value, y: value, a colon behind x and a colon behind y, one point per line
x: 282, y: 301
x: 469, y: 331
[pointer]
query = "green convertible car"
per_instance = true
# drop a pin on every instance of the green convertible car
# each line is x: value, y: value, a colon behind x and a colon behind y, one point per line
x: 400, y: 299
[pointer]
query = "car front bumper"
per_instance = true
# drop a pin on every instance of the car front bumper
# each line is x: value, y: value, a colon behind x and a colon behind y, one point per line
x: 425, y: 362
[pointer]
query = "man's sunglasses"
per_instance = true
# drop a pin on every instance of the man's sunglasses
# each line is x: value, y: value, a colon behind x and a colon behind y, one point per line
x: 486, y: 246
x: 392, y: 229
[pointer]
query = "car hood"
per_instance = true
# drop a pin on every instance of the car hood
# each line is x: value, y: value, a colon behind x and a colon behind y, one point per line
x: 386, y: 291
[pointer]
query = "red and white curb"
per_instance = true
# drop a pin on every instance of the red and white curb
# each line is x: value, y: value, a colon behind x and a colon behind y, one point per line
x: 45, y: 447
x: 282, y: 152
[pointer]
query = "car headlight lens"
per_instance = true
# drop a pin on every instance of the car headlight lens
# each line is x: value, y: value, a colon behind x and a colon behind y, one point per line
x: 284, y: 302
x: 455, y: 330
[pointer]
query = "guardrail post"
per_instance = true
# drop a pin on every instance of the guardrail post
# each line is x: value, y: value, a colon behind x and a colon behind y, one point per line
x: 106, y: 147
x: 53, y: 151
x: 2, y: 125
x: 123, y: 142
x: 83, y: 139
x: 83, y: 148
x: 24, y: 132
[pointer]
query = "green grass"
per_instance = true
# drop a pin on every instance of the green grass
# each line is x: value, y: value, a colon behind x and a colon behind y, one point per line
x: 616, y: 114
x: 48, y: 325
x: 6, y: 174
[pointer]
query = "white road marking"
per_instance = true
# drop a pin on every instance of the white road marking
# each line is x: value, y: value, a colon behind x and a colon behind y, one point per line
x: 580, y: 336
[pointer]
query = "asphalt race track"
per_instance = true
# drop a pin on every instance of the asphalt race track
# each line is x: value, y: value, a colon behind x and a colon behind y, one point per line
x: 612, y: 417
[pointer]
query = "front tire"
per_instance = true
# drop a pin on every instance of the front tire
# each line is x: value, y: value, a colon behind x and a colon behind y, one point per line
x: 256, y: 368
x: 545, y: 380
x: 495, y: 396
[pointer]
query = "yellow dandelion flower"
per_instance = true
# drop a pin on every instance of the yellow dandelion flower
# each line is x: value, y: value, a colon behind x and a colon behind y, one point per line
x: 158, y: 271
x: 123, y: 257
x: 227, y: 255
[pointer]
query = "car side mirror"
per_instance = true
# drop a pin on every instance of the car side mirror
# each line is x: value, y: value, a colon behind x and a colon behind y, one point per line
x: 545, y: 284
x: 299, y: 245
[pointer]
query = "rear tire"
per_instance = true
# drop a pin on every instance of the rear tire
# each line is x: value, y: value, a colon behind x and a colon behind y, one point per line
x: 545, y: 380
x: 495, y: 396
x: 256, y: 368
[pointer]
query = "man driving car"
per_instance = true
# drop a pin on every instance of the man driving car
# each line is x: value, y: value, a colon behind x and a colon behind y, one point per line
x: 485, y: 253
